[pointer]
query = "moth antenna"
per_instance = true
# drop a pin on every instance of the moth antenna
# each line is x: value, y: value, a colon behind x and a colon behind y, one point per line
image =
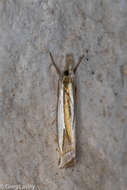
x: 54, y: 64
x: 79, y: 61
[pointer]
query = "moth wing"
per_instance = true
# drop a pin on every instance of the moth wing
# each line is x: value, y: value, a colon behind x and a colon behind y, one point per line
x: 60, y: 119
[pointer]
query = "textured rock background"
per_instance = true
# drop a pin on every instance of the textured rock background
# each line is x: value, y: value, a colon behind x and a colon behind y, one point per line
x: 28, y: 92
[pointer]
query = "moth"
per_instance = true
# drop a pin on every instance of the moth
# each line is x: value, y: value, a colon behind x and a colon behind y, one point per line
x: 66, y: 111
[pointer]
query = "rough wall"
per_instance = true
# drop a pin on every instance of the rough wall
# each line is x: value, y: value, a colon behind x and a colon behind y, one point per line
x: 28, y: 92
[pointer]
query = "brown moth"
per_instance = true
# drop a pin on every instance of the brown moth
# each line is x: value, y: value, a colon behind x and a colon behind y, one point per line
x: 66, y: 111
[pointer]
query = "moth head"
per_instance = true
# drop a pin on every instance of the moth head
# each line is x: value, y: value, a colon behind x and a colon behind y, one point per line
x: 66, y: 73
x: 68, y: 70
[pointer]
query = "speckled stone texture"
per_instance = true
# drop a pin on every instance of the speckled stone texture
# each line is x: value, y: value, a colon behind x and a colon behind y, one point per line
x: 28, y: 92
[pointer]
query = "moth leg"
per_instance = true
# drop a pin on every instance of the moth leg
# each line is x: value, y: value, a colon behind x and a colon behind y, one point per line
x: 54, y: 64
x: 79, y: 61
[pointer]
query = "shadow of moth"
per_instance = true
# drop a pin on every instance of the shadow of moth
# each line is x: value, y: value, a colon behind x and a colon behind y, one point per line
x: 66, y: 111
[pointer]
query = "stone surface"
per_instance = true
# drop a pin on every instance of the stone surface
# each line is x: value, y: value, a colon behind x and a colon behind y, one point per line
x: 28, y: 92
